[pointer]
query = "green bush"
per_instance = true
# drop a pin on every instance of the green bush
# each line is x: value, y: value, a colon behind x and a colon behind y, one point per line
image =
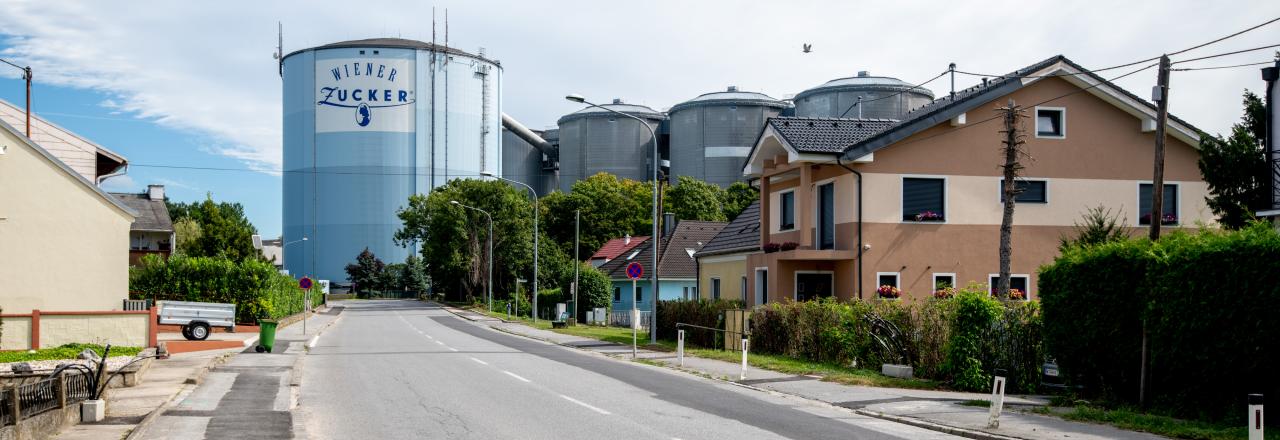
x: 255, y: 287
x: 976, y: 313
x: 702, y: 312
x: 1209, y: 302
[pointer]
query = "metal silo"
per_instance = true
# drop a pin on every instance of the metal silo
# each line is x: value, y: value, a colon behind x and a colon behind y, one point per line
x: 711, y: 135
x: 882, y: 97
x: 368, y: 123
x: 594, y: 140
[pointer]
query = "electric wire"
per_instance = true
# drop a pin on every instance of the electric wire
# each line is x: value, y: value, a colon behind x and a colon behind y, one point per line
x: 940, y: 75
x: 1226, y: 54
x: 1188, y: 69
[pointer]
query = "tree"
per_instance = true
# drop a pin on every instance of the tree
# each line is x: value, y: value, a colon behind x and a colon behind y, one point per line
x: 737, y: 197
x: 224, y: 229
x: 1012, y: 147
x: 187, y: 232
x: 414, y: 274
x: 365, y: 273
x: 611, y: 207
x: 693, y: 199
x: 1098, y: 226
x: 390, y: 278
x: 594, y: 289
x: 1236, y: 167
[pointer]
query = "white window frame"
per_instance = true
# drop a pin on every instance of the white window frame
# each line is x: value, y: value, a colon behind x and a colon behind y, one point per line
x: 946, y: 208
x: 1137, y: 189
x: 794, y: 219
x: 795, y: 282
x: 934, y: 286
x: 1000, y: 190
x: 992, y: 279
x: 816, y: 219
x: 1062, y: 124
x: 897, y: 276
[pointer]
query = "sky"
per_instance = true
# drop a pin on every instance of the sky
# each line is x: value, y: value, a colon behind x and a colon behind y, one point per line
x: 178, y: 84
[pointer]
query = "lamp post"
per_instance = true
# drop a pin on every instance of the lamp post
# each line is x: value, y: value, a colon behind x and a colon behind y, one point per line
x: 489, y: 283
x: 653, y: 314
x: 534, y: 311
x: 286, y: 245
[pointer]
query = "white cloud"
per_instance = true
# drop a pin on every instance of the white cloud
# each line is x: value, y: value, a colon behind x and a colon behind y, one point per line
x: 205, y: 67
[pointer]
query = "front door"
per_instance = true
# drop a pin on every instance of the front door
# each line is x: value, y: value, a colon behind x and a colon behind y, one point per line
x: 810, y: 286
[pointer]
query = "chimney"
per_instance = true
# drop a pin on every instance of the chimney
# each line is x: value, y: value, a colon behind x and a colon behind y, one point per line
x: 863, y: 74
x: 626, y: 239
x: 617, y: 100
x: 733, y: 88
x: 155, y: 192
x: 668, y: 223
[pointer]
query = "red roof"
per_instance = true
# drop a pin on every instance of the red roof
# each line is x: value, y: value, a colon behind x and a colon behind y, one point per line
x: 617, y: 246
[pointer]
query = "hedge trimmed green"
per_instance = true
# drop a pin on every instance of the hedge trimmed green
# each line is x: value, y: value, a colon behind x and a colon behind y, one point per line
x: 1209, y: 300
x: 255, y: 287
x: 703, y: 312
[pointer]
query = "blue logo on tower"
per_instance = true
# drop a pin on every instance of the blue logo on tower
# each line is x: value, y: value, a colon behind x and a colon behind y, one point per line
x: 363, y: 87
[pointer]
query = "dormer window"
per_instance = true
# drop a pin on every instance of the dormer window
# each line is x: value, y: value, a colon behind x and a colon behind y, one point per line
x: 1051, y: 122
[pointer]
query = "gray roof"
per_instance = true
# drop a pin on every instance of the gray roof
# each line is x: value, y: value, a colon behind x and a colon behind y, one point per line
x: 741, y: 235
x: 617, y: 105
x: 865, y: 82
x: 394, y: 43
x: 826, y: 135
x: 732, y: 96
x: 675, y: 261
x: 153, y: 215
x: 945, y: 108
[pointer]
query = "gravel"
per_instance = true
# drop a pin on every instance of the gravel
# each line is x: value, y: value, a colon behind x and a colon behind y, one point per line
x: 47, y: 366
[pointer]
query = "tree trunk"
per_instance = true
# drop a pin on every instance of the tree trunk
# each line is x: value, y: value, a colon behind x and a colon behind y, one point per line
x: 1012, y: 152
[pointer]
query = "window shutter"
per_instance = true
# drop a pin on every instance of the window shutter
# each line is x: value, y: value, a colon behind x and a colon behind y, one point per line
x: 919, y: 195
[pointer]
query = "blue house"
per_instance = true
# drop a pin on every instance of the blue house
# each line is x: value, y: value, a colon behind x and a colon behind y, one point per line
x: 677, y: 270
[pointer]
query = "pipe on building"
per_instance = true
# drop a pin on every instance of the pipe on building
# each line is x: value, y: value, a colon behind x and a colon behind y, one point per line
x: 525, y: 133
x: 860, y: 245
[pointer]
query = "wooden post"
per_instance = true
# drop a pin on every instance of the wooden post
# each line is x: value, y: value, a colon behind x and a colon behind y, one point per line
x: 61, y: 389
x: 1157, y: 178
x: 35, y: 329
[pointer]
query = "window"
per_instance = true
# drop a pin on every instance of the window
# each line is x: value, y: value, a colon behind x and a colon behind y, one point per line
x: 1170, y: 207
x: 617, y: 294
x: 1019, y: 282
x: 826, y: 216
x: 923, y: 199
x: 887, y: 279
x: 639, y: 293
x: 1028, y: 191
x: 787, y: 210
x: 715, y: 288
x: 744, y: 289
x: 1051, y: 122
x: 943, y: 281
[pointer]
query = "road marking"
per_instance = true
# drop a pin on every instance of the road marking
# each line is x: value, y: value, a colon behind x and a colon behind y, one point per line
x: 438, y: 342
x: 480, y: 361
x: 314, y: 340
x: 515, y: 376
x: 583, y: 404
x: 428, y: 336
x: 452, y: 349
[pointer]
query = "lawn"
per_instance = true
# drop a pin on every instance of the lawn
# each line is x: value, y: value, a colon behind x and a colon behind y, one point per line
x: 68, y: 351
x: 1132, y: 420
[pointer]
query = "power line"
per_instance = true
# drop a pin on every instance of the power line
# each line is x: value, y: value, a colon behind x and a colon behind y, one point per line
x: 1186, y: 69
x: 1226, y: 37
x: 846, y: 111
x: 1226, y: 54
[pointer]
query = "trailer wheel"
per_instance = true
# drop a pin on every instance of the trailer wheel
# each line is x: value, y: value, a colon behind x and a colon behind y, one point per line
x: 186, y: 332
x: 198, y: 331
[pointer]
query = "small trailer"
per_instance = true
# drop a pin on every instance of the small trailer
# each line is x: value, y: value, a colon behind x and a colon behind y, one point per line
x: 196, y: 318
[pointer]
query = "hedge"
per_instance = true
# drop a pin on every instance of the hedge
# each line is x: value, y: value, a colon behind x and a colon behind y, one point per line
x: 1209, y: 300
x: 703, y: 313
x: 255, y: 287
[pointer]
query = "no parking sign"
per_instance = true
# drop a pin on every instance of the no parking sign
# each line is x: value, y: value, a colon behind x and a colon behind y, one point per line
x: 635, y: 271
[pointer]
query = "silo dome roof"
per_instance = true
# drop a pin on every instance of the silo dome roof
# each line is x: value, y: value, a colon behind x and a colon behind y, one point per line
x: 864, y: 81
x: 395, y: 43
x: 617, y: 105
x: 731, y: 96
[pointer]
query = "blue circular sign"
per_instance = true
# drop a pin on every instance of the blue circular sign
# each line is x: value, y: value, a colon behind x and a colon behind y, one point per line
x: 635, y: 271
x: 305, y: 283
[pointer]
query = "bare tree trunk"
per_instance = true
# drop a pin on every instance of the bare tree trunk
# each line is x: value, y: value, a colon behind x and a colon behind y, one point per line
x: 1013, y: 152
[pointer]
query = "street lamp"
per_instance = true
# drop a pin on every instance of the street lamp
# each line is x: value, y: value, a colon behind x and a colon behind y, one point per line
x: 534, y: 311
x: 653, y: 314
x: 489, y: 284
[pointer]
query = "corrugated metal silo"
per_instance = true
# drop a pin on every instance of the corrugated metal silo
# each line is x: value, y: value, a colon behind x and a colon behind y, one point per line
x: 594, y: 140
x: 521, y: 161
x: 882, y: 97
x: 711, y: 135
x: 368, y: 123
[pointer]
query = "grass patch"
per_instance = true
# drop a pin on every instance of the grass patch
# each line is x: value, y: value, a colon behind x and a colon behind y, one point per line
x: 977, y: 402
x: 67, y: 351
x: 1124, y: 418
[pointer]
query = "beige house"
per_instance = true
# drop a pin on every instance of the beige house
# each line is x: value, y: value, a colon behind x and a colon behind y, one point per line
x: 915, y: 203
x: 64, y: 243
x: 722, y: 263
x: 90, y: 160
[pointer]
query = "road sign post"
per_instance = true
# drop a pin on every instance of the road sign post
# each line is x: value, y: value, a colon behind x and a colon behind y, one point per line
x: 635, y: 271
x: 305, y: 284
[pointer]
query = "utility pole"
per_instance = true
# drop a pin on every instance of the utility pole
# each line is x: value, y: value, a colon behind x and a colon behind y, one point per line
x: 26, y: 75
x: 1013, y: 151
x: 1161, y: 95
x: 577, y: 264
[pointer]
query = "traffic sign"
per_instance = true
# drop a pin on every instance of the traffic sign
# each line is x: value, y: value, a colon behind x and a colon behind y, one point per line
x: 305, y: 283
x: 635, y: 271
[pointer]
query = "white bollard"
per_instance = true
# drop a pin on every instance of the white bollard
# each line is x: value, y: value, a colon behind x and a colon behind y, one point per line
x: 680, y: 346
x: 997, y: 402
x: 1255, y: 417
x: 743, y: 375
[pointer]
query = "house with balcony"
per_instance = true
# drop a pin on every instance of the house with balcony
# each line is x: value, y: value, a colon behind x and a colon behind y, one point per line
x: 847, y: 205
x: 677, y: 269
x: 152, y: 231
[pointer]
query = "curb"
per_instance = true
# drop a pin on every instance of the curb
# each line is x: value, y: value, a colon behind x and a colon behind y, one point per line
x: 945, y: 429
x: 144, y: 425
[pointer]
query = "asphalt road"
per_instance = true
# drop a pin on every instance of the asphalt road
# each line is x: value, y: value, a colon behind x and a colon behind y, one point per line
x: 404, y: 369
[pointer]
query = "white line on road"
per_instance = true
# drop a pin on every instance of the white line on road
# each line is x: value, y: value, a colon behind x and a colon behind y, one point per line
x: 438, y: 342
x: 579, y: 402
x: 452, y: 349
x: 515, y: 376
x: 480, y: 361
x: 314, y: 340
x: 428, y: 336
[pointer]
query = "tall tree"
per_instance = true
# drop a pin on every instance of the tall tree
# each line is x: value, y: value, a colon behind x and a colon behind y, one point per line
x: 693, y: 199
x: 611, y: 207
x: 187, y: 231
x: 366, y: 271
x: 1236, y: 168
x: 737, y: 197
x: 224, y: 231
x: 1012, y: 148
x: 414, y: 276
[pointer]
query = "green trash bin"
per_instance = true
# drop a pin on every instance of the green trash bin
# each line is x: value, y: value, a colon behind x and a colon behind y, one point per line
x: 266, y: 335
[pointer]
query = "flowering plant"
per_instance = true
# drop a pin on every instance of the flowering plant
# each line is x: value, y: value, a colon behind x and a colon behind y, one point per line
x: 1017, y: 294
x: 790, y: 245
x: 928, y: 216
x: 771, y: 247
x: 1167, y: 219
x: 944, y: 292
x: 888, y: 292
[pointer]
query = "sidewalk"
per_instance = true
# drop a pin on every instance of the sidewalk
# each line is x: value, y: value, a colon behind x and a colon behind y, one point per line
x: 169, y: 381
x: 937, y: 410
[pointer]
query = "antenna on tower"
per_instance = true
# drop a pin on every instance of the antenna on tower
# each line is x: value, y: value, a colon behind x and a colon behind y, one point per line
x: 446, y: 36
x: 279, y: 55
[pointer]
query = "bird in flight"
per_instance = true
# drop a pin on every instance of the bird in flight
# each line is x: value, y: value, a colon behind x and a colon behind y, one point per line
x: 808, y: 48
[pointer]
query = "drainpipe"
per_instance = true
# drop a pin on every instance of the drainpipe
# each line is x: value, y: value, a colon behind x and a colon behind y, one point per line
x: 860, y: 245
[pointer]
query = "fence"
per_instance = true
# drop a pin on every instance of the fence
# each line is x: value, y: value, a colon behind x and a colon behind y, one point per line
x: 40, y: 329
x: 137, y: 304
x: 623, y: 319
x: 32, y: 399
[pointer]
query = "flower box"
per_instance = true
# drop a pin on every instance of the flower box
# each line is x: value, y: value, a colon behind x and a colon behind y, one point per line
x: 928, y: 216
x: 888, y: 292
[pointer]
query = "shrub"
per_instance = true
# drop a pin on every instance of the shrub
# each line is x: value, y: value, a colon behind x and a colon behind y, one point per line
x: 702, y: 312
x: 254, y: 286
x: 976, y: 312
